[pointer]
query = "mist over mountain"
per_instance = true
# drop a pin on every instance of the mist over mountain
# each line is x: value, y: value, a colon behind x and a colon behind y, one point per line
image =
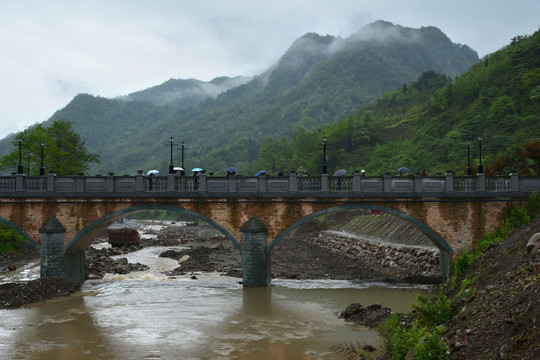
x: 318, y: 80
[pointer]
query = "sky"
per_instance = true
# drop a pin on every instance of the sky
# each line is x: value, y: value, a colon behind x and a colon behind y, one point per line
x: 50, y: 51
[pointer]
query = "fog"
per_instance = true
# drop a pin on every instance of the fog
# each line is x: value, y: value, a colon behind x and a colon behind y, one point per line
x: 52, y: 51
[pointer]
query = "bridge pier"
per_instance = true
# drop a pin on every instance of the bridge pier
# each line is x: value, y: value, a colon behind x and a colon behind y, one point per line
x: 54, y: 262
x: 52, y: 249
x: 255, y: 258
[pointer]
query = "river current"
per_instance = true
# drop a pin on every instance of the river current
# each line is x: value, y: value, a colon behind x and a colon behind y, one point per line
x: 146, y: 315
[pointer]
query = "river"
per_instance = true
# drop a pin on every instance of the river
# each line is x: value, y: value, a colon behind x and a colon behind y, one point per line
x: 145, y: 315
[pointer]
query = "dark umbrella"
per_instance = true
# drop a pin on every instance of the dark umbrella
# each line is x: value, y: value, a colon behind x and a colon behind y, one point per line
x: 403, y: 169
x: 340, y: 172
x: 231, y: 169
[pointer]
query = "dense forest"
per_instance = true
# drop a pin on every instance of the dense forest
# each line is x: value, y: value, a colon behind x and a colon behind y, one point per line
x: 428, y: 123
x: 319, y: 80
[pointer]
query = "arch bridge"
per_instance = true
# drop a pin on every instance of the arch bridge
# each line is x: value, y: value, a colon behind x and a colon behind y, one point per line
x: 61, y: 215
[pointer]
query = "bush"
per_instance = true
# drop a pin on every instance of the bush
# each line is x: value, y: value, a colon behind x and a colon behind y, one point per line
x: 421, y: 341
x: 434, y: 311
x: 462, y: 262
x: 533, y: 204
x: 9, y: 239
x: 519, y: 217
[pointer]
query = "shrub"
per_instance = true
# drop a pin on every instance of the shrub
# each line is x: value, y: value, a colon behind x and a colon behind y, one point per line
x: 533, y: 204
x: 9, y: 239
x: 421, y: 341
x: 462, y: 262
x: 519, y: 217
x: 434, y: 311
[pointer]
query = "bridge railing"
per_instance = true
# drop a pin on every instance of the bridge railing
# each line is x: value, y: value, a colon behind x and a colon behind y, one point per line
x: 355, y: 185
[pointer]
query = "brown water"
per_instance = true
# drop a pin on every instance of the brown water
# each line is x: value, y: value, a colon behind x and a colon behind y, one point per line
x: 209, y: 318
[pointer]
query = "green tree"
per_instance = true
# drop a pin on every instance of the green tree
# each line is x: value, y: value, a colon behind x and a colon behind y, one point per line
x: 9, y: 239
x: 63, y: 150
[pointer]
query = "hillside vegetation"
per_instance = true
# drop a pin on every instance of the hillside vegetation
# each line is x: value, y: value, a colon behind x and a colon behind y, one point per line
x: 319, y: 80
x: 426, y: 124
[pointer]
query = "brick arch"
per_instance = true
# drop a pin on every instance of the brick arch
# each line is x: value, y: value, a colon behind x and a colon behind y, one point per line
x: 24, y: 234
x: 118, y: 213
x: 432, y: 235
x: 445, y: 250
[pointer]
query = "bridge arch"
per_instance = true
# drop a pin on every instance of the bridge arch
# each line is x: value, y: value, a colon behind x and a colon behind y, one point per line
x: 445, y: 250
x: 73, y: 244
x: 24, y: 234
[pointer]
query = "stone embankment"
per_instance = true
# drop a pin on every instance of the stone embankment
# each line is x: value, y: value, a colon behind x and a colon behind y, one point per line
x: 390, y: 258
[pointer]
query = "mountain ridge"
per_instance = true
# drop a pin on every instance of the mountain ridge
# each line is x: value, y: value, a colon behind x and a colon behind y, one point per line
x: 318, y: 80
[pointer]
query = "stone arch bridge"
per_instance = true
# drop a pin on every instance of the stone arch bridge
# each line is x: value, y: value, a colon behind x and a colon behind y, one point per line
x: 61, y: 215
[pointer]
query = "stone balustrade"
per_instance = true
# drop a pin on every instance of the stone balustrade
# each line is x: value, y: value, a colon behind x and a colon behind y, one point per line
x: 201, y: 185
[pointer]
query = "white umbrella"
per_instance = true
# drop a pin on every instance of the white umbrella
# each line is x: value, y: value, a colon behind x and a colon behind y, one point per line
x: 153, y: 172
x: 178, y: 168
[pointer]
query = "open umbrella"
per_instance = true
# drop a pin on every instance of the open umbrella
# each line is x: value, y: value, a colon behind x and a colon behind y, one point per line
x: 231, y: 169
x: 178, y: 168
x: 403, y: 169
x: 260, y: 172
x: 196, y: 169
x: 340, y: 172
x: 152, y: 172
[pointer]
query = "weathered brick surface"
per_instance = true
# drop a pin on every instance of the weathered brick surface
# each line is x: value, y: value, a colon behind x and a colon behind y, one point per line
x: 460, y: 223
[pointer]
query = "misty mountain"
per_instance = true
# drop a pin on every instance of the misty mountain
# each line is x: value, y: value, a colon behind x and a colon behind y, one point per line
x: 186, y: 93
x: 319, y: 80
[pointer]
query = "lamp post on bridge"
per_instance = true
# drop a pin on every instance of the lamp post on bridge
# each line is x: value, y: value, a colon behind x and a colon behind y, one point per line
x: 42, y: 168
x: 469, y: 172
x: 20, y: 168
x: 325, y: 166
x: 480, y: 166
x: 183, y: 171
x: 171, y: 166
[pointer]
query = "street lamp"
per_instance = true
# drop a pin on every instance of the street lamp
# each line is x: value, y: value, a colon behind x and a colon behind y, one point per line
x: 480, y: 166
x: 20, y: 168
x: 171, y: 166
x: 325, y: 166
x: 183, y: 171
x: 469, y: 172
x: 42, y: 169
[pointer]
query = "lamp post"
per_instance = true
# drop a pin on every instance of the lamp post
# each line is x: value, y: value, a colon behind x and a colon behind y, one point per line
x: 20, y: 168
x: 183, y: 171
x: 325, y: 166
x: 469, y: 172
x: 480, y: 166
x: 171, y: 166
x: 42, y: 169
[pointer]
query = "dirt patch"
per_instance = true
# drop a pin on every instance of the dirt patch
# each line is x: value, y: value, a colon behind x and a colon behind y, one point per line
x: 13, y: 295
x: 500, y: 318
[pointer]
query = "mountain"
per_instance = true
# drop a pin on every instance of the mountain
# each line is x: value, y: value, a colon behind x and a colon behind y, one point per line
x: 319, y: 80
x: 186, y: 93
x: 427, y: 123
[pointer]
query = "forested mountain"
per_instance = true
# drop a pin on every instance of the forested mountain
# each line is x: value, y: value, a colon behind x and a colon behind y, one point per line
x: 427, y: 124
x: 319, y: 80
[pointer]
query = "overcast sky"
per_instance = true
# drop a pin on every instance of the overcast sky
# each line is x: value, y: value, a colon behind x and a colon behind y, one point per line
x: 52, y: 50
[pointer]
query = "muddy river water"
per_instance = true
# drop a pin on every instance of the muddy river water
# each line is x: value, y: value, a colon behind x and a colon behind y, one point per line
x: 146, y: 315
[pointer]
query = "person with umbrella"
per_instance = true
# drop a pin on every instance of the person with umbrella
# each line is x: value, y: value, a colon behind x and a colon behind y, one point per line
x: 150, y: 175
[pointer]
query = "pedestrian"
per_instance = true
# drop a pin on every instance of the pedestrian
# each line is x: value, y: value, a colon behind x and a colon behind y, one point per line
x: 195, y: 180
x: 150, y: 181
x: 424, y: 173
x: 363, y: 173
x: 280, y: 173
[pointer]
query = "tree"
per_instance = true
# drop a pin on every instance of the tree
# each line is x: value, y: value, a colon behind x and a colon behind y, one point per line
x: 525, y: 159
x: 59, y: 148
